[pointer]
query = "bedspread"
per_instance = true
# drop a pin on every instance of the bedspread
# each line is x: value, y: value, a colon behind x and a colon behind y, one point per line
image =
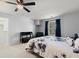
x: 50, y: 47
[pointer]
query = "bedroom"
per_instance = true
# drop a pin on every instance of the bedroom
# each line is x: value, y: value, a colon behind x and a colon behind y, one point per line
x: 22, y: 21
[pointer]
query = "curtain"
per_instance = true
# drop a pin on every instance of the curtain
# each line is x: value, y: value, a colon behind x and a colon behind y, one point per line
x: 46, y: 28
x: 58, y: 28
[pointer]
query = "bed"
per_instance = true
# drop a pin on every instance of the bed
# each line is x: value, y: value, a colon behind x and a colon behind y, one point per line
x: 50, y: 47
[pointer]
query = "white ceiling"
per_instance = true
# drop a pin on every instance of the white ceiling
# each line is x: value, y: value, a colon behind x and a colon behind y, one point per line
x: 43, y: 8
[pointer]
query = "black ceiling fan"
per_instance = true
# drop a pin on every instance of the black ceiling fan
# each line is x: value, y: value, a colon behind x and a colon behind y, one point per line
x: 21, y: 5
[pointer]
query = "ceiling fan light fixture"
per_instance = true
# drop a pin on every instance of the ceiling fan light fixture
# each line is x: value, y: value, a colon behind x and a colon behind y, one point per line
x: 19, y: 6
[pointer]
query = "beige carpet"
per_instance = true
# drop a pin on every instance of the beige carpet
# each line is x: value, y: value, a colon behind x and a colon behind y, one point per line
x: 17, y: 51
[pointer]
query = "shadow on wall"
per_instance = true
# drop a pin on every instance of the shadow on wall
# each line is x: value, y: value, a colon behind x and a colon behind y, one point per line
x: 15, y: 39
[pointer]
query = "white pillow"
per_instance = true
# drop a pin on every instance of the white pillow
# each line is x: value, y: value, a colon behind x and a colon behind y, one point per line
x: 69, y: 40
x: 77, y: 43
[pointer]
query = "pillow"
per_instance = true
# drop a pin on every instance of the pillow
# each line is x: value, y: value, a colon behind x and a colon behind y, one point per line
x: 77, y: 43
x: 75, y: 36
x: 69, y: 41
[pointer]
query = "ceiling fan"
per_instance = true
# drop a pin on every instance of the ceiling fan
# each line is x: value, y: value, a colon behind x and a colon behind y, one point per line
x: 20, y: 4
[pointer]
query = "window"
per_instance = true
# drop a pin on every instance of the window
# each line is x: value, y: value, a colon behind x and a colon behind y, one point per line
x: 51, y: 27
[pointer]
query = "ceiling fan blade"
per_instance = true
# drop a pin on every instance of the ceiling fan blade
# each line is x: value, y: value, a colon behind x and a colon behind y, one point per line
x: 28, y: 4
x: 8, y: 2
x: 21, y: 1
x: 26, y: 9
x: 16, y: 9
x: 18, y: 1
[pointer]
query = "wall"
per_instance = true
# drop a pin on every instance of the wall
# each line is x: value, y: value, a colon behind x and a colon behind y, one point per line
x: 20, y: 24
x: 4, y: 22
x: 41, y: 27
x: 70, y: 24
x: 3, y: 36
x: 3, y: 29
x: 16, y: 25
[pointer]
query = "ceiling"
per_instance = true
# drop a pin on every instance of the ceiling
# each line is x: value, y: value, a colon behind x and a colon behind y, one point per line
x: 43, y: 8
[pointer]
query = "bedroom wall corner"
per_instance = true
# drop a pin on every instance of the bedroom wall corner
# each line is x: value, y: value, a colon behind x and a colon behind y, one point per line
x: 19, y: 24
x: 70, y: 23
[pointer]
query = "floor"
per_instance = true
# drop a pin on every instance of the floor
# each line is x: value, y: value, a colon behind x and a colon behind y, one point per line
x: 17, y: 51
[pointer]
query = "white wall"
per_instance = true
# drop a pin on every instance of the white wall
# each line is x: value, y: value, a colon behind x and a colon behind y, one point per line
x: 41, y: 27
x: 17, y: 24
x: 3, y: 29
x: 3, y: 36
x: 70, y: 24
x: 4, y: 22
